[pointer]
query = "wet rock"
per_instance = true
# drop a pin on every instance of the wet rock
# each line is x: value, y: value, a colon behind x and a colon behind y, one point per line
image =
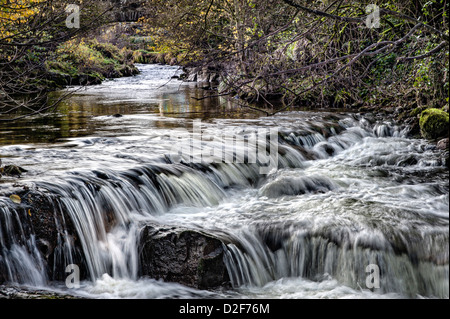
x: 201, y: 74
x: 16, y: 292
x: 12, y: 170
x: 192, y: 77
x: 183, y: 76
x: 293, y: 186
x: 181, y: 255
x: 213, y: 77
x: 443, y: 144
x: 414, y: 129
x: 175, y: 254
x: 42, y: 222
x: 434, y: 123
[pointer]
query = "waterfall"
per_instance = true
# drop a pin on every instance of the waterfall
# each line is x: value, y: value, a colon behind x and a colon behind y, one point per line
x: 98, y: 215
x: 269, y: 254
x: 20, y: 260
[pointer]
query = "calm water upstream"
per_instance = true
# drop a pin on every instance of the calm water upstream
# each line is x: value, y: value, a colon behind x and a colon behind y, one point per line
x: 338, y: 193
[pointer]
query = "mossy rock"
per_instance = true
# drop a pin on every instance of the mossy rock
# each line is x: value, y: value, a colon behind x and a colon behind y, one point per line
x: 434, y: 123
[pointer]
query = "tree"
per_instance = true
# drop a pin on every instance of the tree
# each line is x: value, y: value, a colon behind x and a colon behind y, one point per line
x: 30, y: 32
x: 325, y: 53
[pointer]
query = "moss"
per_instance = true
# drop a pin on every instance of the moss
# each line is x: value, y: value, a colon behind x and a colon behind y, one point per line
x: 434, y: 123
x: 107, y: 50
x: 89, y: 62
x: 417, y: 111
x: 144, y: 56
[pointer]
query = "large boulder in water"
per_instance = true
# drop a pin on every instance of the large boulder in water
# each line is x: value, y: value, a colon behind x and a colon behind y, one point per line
x: 181, y: 255
x: 434, y: 123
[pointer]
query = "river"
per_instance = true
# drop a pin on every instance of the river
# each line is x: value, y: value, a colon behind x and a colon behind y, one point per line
x: 312, y: 204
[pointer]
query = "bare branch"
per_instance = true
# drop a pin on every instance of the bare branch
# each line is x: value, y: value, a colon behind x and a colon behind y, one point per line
x: 323, y: 14
x: 425, y: 55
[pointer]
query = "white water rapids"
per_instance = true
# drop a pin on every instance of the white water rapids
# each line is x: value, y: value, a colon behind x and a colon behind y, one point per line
x: 347, y: 192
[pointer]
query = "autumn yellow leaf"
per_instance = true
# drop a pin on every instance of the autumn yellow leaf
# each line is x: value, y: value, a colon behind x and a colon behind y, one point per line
x: 16, y: 199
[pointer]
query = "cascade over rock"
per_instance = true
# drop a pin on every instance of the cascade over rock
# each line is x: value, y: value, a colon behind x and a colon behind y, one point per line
x: 182, y: 255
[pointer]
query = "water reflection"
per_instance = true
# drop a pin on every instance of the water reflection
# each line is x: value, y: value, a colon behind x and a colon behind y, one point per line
x: 151, y: 92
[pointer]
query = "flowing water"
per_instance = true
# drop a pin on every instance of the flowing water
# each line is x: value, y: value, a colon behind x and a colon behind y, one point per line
x: 310, y: 204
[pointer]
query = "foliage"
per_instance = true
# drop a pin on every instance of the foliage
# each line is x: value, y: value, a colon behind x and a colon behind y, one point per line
x: 315, y: 52
x: 76, y: 58
x: 30, y: 33
x: 309, y: 53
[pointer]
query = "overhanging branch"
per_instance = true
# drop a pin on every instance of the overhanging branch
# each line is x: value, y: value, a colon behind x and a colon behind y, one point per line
x: 363, y: 19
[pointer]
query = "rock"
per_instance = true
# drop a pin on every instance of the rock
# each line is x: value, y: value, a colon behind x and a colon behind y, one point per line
x: 12, y: 170
x: 185, y: 256
x: 201, y: 74
x: 399, y: 110
x: 23, y: 292
x: 203, y: 77
x: 414, y: 129
x: 434, y: 123
x: 174, y: 254
x: 213, y: 77
x: 192, y: 77
x: 443, y: 144
x: 41, y: 220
